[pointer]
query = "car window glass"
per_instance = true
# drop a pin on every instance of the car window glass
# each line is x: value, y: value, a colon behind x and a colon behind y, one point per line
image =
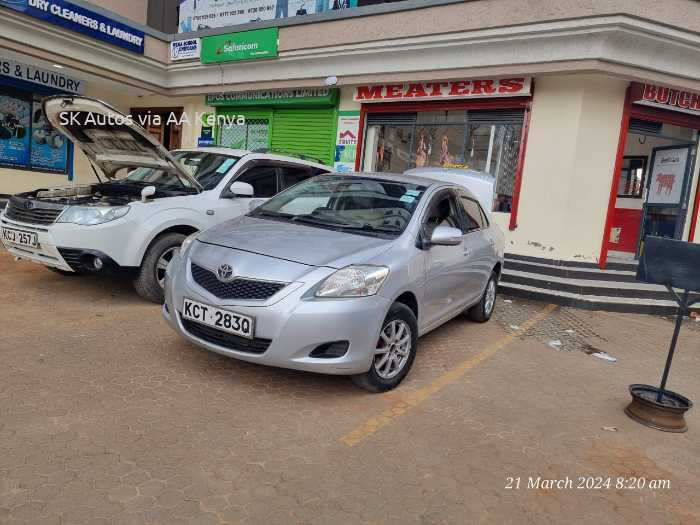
x: 207, y: 168
x: 443, y: 211
x: 472, y: 214
x: 263, y: 179
x: 292, y: 175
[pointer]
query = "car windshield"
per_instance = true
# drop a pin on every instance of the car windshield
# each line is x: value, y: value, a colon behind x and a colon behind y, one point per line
x: 350, y: 203
x: 206, y: 167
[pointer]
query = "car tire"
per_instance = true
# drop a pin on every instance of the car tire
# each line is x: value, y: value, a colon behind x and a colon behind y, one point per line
x: 379, y: 378
x: 148, y: 284
x: 482, y: 311
x: 65, y: 273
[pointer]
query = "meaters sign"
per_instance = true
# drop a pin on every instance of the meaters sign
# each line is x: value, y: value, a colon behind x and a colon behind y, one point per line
x: 452, y: 89
x: 666, y: 98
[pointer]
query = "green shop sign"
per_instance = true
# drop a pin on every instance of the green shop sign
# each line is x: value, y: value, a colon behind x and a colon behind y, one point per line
x: 246, y: 45
x: 276, y: 97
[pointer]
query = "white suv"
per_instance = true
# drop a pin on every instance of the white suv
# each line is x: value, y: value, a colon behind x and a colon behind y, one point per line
x: 135, y: 223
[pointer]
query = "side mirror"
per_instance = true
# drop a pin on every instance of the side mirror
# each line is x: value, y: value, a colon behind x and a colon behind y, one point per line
x: 446, y: 236
x: 148, y: 191
x: 241, y: 189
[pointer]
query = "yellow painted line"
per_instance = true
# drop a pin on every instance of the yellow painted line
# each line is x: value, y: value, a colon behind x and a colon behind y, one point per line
x: 415, y: 398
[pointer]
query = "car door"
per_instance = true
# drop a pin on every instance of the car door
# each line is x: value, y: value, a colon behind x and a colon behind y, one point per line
x: 446, y: 276
x: 262, y: 176
x: 478, y: 246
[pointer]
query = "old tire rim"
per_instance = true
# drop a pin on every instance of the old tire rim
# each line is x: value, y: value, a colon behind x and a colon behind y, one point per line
x: 393, y: 349
x: 490, y: 297
x: 162, y: 264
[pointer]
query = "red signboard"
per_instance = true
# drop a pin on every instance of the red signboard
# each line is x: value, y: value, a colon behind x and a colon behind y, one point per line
x: 441, y: 90
x: 666, y: 98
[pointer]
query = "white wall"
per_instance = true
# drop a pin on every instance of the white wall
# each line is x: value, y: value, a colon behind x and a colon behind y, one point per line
x: 568, y: 169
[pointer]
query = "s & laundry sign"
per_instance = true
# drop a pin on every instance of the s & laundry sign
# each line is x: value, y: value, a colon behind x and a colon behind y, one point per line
x: 52, y: 79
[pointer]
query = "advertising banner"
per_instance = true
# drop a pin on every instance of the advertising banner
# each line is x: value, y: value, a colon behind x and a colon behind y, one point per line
x: 346, y: 141
x: 49, y: 149
x: 15, y: 130
x: 205, y: 14
x: 667, y: 176
x: 51, y: 79
x: 246, y: 45
x: 185, y: 49
x: 453, y: 89
x: 85, y: 21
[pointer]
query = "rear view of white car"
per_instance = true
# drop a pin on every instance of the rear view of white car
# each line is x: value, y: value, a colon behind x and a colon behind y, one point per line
x: 145, y: 201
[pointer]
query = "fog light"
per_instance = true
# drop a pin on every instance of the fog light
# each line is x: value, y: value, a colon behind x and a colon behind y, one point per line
x: 97, y: 263
x: 331, y: 350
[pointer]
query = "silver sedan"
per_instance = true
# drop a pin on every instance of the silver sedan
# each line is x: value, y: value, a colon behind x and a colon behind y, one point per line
x: 340, y: 274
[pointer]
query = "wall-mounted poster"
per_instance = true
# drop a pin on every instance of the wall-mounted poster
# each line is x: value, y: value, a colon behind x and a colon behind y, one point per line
x: 346, y: 141
x: 205, y: 14
x: 667, y: 176
x: 49, y: 148
x: 15, y: 130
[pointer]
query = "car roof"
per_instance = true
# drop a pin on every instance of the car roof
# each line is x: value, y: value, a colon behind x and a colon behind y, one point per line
x: 222, y: 150
x: 481, y: 190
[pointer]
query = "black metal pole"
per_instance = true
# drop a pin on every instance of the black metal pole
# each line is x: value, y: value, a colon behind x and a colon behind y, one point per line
x: 682, y: 308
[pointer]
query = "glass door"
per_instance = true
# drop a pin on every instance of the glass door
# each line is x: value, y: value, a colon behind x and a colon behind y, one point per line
x: 667, y: 192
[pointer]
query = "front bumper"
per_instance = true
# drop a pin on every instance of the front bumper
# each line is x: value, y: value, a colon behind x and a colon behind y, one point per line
x: 67, y: 247
x: 293, y: 324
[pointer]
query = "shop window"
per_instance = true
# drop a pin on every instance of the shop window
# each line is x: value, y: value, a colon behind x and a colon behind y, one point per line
x: 253, y: 135
x: 632, y: 177
x: 27, y: 140
x: 481, y: 140
x: 263, y: 179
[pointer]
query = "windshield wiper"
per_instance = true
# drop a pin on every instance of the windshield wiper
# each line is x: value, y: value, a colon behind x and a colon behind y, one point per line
x: 272, y: 214
x: 326, y: 221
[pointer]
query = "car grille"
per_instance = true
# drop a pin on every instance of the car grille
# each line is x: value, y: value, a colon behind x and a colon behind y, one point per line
x: 72, y: 257
x: 39, y: 213
x: 230, y: 341
x: 239, y: 288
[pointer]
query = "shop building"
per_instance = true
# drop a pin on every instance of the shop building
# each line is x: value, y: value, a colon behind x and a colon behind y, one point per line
x: 587, y: 121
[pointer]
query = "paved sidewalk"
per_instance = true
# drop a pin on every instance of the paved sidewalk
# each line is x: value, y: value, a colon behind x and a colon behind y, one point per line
x: 106, y: 416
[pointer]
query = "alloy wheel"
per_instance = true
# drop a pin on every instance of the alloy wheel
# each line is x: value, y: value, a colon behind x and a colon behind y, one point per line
x: 393, y: 349
x: 490, y: 297
x: 162, y: 264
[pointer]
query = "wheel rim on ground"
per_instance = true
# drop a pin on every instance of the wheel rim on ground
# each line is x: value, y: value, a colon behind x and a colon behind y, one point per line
x: 490, y: 296
x: 162, y: 264
x: 393, y: 349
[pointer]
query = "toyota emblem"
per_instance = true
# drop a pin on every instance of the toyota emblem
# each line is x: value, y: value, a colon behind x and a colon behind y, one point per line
x: 225, y: 273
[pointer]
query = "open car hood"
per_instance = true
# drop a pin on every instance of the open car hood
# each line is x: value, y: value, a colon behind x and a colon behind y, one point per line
x: 111, y: 140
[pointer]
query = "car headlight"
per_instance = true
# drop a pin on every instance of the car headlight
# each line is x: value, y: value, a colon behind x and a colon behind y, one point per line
x: 91, y: 215
x: 353, y: 281
x: 188, y: 242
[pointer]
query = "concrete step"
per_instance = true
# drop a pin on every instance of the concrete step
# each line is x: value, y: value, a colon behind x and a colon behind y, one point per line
x: 584, y: 285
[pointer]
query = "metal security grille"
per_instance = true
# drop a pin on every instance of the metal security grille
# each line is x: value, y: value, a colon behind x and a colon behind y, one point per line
x: 239, y: 288
x: 251, y: 136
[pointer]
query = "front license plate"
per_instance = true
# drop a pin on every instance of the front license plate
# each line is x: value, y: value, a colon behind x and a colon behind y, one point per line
x: 20, y: 237
x: 223, y: 320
